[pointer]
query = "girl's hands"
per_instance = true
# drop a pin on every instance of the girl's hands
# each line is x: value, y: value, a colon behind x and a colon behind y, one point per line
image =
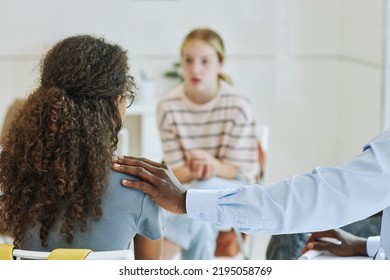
x: 202, y: 165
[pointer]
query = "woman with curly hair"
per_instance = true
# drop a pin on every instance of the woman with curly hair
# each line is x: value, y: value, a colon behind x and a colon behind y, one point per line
x: 55, y: 165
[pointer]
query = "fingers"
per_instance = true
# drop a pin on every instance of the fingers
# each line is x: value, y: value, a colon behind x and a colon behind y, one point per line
x: 152, y: 163
x: 322, y: 246
x: 320, y: 234
x: 189, y: 155
x: 206, y: 171
x: 198, y: 168
x: 312, y: 242
x: 188, y: 163
x: 169, y: 196
x: 201, y: 164
x: 195, y: 167
x: 138, y: 185
x: 304, y: 250
x: 326, y: 241
x: 213, y: 167
x: 136, y: 170
x: 318, y: 246
x: 125, y: 161
x: 135, y: 161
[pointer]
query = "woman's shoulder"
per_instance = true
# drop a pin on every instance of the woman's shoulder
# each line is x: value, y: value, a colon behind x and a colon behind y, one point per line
x: 116, y: 175
x: 131, y: 199
x: 115, y: 185
x: 122, y: 196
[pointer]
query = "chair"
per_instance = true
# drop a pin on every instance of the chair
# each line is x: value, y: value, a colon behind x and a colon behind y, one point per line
x: 231, y: 242
x: 8, y: 252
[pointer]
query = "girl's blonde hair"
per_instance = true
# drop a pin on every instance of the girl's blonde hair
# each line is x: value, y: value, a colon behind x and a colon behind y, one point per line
x: 214, y: 40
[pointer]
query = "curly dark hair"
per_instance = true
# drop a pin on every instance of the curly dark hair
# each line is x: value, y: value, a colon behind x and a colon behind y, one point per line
x: 55, y: 160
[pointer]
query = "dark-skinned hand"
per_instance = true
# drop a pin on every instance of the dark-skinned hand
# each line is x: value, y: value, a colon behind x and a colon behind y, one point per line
x: 156, y: 180
x: 351, y: 245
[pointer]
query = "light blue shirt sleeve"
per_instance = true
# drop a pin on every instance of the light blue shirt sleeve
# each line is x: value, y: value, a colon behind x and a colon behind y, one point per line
x: 326, y: 198
x: 372, y: 245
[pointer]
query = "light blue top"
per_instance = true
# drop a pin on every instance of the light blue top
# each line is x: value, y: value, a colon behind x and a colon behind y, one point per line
x: 126, y: 212
x: 326, y: 198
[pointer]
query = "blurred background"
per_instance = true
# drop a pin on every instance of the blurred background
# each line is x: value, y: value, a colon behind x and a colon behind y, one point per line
x: 313, y: 69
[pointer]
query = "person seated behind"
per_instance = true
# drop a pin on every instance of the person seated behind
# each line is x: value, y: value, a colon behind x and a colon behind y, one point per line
x: 55, y: 164
x: 208, y: 135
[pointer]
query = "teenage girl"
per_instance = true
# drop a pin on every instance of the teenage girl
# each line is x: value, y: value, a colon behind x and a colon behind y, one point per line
x: 208, y: 134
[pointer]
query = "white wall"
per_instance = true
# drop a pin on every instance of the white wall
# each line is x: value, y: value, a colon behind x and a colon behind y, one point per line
x: 152, y: 32
x: 361, y: 55
x: 311, y: 67
x: 328, y: 79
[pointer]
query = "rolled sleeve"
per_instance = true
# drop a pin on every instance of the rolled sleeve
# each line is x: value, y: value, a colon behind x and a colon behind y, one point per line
x: 202, y: 205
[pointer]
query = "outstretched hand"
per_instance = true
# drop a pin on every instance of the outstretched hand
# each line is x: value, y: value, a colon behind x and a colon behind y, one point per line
x: 349, y: 245
x: 156, y: 180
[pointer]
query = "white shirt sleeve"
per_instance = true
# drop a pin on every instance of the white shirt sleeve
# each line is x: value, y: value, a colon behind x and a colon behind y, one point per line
x: 326, y: 198
x: 372, y: 245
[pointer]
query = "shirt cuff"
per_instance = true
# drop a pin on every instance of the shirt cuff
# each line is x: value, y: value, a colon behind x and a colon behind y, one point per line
x: 372, y: 245
x: 202, y: 205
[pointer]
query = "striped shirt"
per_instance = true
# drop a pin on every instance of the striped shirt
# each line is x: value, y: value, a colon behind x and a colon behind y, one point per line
x: 225, y: 127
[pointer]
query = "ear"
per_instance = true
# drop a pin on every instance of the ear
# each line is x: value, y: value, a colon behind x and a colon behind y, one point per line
x: 118, y: 99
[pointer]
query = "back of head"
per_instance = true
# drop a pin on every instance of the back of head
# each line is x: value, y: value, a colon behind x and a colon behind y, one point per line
x: 57, y: 154
x: 85, y: 67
